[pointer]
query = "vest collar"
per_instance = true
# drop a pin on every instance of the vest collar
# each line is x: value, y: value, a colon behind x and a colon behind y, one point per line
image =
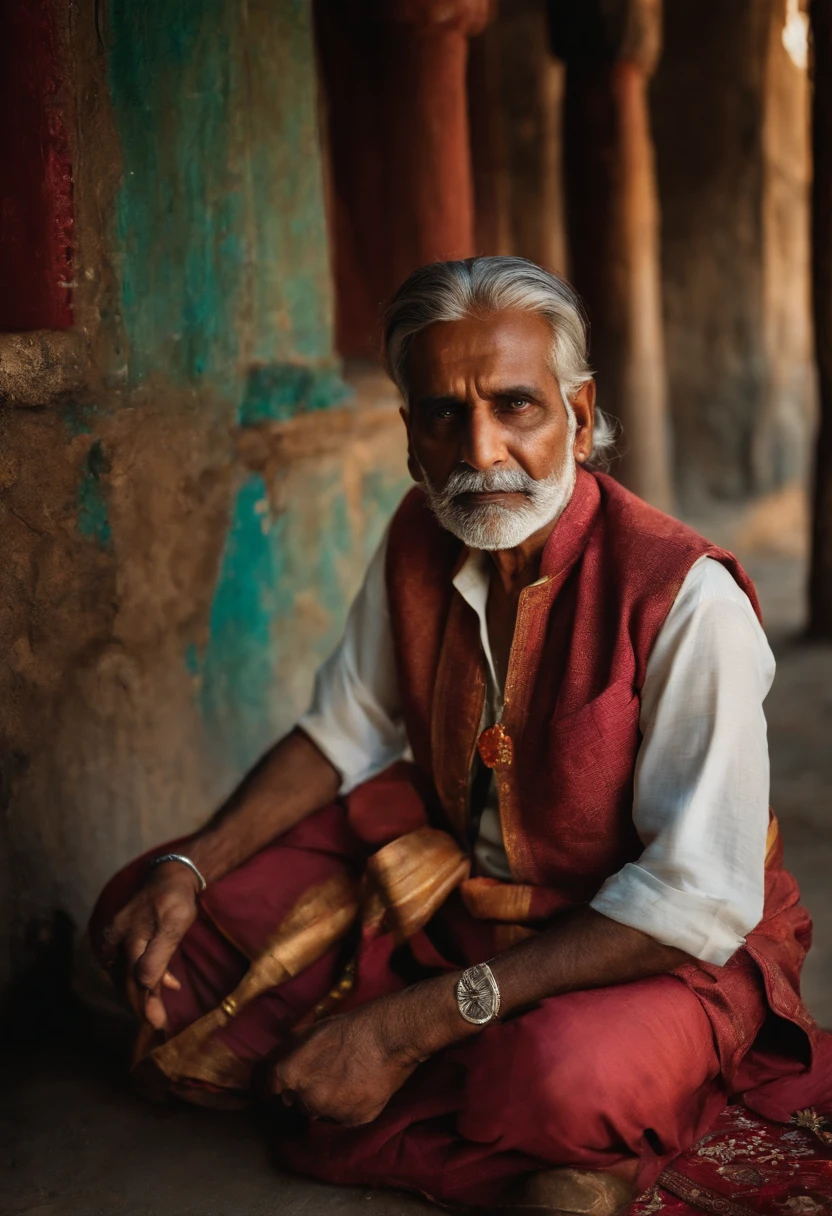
x: 571, y: 532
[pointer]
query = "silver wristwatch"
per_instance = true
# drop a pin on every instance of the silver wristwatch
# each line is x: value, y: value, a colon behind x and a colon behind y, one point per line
x: 478, y: 995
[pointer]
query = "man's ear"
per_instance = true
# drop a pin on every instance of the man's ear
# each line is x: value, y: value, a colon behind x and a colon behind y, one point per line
x: 413, y: 466
x: 583, y: 405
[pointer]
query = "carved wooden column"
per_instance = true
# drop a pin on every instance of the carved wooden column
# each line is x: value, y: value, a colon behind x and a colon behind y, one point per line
x: 395, y: 78
x: 610, y: 48
x: 820, y: 582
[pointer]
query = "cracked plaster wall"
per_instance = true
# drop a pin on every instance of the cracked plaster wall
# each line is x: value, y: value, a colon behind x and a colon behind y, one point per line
x: 189, y: 492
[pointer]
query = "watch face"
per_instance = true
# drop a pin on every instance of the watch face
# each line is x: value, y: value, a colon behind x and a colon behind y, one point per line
x: 477, y: 995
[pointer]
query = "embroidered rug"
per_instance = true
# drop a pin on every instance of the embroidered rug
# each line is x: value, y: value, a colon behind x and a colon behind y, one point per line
x: 747, y: 1166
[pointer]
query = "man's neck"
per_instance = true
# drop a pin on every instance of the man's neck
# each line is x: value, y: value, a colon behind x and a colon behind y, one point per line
x: 519, y: 567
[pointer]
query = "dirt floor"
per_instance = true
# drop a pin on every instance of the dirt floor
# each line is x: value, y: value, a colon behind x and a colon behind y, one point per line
x: 74, y: 1141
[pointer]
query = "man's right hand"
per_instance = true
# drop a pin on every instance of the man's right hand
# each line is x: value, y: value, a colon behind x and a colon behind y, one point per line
x: 145, y: 934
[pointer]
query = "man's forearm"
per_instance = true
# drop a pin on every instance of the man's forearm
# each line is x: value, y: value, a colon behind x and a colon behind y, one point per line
x: 291, y: 781
x: 584, y: 950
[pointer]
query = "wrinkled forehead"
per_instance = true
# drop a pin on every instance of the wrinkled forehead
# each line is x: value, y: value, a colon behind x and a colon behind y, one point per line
x: 510, y: 347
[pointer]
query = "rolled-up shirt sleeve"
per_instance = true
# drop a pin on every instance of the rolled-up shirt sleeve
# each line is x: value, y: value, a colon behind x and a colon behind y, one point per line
x: 355, y: 717
x: 702, y: 776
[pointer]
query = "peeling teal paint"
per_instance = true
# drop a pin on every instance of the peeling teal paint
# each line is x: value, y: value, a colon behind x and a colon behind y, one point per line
x: 281, y: 598
x: 292, y: 289
x: 93, y: 519
x: 180, y: 209
x: 279, y: 391
x: 192, y: 663
x: 222, y: 241
x: 79, y: 419
x: 237, y: 679
x: 221, y: 251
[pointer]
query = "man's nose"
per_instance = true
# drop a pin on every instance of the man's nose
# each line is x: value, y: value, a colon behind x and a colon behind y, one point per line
x: 483, y: 444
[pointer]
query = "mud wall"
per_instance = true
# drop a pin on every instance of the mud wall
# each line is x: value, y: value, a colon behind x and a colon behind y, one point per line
x: 189, y: 489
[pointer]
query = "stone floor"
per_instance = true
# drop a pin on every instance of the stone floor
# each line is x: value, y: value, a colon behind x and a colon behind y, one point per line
x: 75, y: 1142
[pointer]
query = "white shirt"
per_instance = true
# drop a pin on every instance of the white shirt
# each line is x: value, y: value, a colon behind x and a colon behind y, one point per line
x: 700, y: 803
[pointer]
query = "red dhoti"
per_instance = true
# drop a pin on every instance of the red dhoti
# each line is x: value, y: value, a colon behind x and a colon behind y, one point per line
x: 620, y: 1078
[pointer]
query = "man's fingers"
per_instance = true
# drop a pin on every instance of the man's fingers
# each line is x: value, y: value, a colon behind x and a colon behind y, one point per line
x: 135, y: 995
x: 145, y: 997
x: 134, y: 948
x: 109, y: 943
x: 153, y: 963
x: 170, y: 981
x: 154, y: 1011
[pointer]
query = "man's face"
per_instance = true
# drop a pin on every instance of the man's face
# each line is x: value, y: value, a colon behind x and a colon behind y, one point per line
x: 488, y: 431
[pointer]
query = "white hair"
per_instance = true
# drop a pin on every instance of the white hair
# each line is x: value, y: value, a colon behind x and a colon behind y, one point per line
x: 451, y: 291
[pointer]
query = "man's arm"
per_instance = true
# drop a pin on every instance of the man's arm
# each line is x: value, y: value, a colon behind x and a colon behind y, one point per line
x: 291, y: 781
x: 702, y: 776
x: 348, y: 1067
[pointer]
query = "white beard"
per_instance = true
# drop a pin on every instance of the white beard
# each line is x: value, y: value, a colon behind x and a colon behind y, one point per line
x: 492, y: 525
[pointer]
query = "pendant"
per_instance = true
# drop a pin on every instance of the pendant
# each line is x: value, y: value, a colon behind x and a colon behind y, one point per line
x: 495, y: 747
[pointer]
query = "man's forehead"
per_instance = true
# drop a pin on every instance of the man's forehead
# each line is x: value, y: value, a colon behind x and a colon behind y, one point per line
x: 506, y: 343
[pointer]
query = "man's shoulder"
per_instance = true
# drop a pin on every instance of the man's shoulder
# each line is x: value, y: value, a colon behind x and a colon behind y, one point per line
x: 634, y: 517
x: 656, y: 552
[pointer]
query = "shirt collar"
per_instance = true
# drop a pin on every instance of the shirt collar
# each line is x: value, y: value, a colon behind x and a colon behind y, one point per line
x: 473, y: 567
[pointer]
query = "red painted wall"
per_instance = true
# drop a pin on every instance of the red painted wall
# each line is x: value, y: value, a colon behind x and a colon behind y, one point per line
x: 36, y: 254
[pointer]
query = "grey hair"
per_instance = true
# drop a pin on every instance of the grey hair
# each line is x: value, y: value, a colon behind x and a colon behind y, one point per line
x: 450, y: 291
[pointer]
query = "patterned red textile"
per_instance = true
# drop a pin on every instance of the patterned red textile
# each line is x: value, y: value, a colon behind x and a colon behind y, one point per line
x: 746, y: 1164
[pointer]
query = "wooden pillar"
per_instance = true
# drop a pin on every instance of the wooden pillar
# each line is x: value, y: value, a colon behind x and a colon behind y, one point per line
x: 820, y: 582
x: 610, y: 49
x: 489, y: 144
x: 532, y: 82
x: 734, y: 183
x: 402, y: 194
x: 427, y: 148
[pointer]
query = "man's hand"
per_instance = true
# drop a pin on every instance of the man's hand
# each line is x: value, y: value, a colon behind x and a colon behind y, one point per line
x: 346, y: 1068
x: 291, y: 781
x: 145, y: 934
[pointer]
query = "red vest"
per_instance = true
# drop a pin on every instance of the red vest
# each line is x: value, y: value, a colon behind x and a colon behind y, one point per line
x: 564, y: 763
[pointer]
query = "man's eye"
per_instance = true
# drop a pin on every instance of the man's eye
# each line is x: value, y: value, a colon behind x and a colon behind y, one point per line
x: 518, y: 403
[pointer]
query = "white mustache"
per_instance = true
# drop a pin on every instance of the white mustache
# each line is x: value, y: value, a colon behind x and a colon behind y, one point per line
x: 487, y: 481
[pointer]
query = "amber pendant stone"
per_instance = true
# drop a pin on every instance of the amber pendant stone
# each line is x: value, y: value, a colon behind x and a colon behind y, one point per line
x: 495, y: 747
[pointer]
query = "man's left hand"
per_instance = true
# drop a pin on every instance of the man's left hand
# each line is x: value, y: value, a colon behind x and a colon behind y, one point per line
x: 346, y: 1068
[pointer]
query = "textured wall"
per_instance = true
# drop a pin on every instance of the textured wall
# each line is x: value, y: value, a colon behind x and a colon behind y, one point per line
x: 189, y: 490
x: 730, y: 122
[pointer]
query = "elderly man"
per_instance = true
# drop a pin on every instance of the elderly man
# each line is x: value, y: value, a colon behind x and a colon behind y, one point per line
x: 533, y: 930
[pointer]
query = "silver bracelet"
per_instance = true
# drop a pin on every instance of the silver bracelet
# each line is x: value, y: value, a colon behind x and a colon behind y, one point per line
x: 185, y: 861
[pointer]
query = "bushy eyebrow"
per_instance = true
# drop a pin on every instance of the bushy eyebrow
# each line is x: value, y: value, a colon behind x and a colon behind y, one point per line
x: 529, y: 392
x: 426, y: 403
x: 518, y: 390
